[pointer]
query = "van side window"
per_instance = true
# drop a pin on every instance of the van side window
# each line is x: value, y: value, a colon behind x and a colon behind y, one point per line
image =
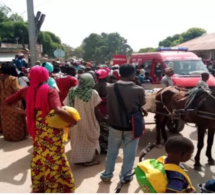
x: 147, y: 66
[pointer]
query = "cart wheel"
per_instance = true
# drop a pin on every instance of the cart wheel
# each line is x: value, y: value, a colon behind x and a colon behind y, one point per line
x: 175, y: 126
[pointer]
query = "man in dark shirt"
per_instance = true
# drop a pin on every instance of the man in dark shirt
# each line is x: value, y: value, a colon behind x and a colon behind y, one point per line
x: 158, y: 71
x: 120, y: 132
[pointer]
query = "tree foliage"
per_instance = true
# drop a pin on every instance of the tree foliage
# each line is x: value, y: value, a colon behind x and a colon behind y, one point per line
x: 16, y: 18
x: 4, y: 11
x: 50, y: 43
x: 12, y: 32
x: 102, y: 47
x: 183, y: 37
x: 15, y: 30
x: 147, y: 49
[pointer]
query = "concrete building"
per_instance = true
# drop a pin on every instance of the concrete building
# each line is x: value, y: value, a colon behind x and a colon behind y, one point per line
x: 9, y: 50
x: 203, y: 46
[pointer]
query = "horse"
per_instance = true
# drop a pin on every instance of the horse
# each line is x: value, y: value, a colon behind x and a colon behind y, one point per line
x: 198, y: 109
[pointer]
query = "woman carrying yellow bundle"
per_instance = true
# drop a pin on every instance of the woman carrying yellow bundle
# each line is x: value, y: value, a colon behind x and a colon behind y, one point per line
x: 50, y: 170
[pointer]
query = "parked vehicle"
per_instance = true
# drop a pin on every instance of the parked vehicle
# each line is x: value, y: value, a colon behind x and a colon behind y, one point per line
x: 187, y: 66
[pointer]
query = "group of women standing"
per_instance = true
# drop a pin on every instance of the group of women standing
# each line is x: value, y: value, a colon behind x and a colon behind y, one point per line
x: 50, y: 170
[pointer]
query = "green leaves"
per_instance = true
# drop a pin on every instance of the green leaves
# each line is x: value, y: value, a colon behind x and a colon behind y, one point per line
x: 50, y: 43
x: 180, y: 38
x: 101, y: 48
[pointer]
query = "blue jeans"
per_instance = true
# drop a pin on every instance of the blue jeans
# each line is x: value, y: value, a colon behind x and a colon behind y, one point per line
x: 115, y: 140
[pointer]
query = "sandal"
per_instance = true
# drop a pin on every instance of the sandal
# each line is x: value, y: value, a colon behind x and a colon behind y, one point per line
x: 92, y: 163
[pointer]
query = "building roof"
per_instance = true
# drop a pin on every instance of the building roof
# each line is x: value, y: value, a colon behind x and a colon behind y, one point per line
x: 204, y: 42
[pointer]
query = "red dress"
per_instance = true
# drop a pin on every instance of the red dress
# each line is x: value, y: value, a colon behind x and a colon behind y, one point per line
x: 64, y: 84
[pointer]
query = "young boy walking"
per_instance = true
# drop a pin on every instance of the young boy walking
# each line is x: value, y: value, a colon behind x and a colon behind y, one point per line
x: 179, y: 149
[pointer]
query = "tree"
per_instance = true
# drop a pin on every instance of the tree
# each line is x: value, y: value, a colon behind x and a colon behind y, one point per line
x: 147, y: 49
x: 68, y: 50
x: 78, y: 52
x: 101, y: 48
x: 180, y: 38
x: 192, y: 33
x: 16, y: 18
x: 4, y: 11
x: 50, y: 43
x: 11, y: 32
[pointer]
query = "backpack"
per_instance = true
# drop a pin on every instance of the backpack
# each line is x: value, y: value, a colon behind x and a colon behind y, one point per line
x: 151, y: 175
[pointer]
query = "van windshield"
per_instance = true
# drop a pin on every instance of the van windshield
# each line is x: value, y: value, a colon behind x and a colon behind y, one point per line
x: 187, y: 67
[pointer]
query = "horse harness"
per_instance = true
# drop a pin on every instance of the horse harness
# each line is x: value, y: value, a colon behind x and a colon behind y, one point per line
x: 177, y: 113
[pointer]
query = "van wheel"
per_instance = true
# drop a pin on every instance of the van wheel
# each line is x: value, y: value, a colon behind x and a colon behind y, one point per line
x: 175, y: 126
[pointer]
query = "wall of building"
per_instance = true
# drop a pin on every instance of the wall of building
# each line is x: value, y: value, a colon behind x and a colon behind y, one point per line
x: 207, y: 54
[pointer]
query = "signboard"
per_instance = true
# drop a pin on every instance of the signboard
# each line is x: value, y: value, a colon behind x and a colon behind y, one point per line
x: 59, y: 53
x: 119, y: 59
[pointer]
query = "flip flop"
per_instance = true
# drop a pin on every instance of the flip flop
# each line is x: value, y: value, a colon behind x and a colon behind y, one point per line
x: 92, y: 163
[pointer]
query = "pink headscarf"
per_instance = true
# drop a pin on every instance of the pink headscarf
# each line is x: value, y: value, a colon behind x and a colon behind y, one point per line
x: 37, y: 96
x: 102, y: 73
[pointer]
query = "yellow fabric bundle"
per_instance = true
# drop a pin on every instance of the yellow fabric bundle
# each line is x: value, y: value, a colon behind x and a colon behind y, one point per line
x: 54, y: 121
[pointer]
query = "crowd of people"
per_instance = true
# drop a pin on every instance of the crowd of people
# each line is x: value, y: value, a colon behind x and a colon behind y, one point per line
x: 27, y: 96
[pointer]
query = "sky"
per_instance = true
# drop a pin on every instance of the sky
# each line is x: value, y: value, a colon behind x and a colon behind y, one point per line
x: 143, y: 23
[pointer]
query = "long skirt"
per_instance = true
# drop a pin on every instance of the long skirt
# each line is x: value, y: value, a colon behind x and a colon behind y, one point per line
x: 50, y: 170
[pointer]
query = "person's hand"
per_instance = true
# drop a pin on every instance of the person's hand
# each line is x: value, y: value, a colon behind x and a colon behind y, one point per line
x: 145, y: 113
x: 73, y: 123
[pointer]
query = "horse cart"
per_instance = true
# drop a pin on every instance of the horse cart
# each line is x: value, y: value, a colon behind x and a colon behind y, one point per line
x: 174, y: 124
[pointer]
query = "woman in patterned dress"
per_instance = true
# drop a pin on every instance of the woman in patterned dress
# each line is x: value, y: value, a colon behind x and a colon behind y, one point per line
x: 50, y: 170
x: 13, y: 124
x: 85, y: 135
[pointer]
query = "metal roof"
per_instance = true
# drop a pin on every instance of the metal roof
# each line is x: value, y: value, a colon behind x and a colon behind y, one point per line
x: 204, y: 42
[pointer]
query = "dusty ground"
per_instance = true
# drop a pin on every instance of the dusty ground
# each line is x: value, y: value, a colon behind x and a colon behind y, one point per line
x: 15, y: 166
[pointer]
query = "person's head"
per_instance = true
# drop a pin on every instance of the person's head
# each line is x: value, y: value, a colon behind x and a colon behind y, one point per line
x: 87, y: 69
x: 38, y: 63
x: 158, y: 64
x: 137, y: 72
x: 205, y: 76
x: 22, y: 74
x: 101, y: 74
x: 70, y: 71
x: 38, y: 75
x: 142, y: 71
x: 170, y: 64
x: 56, y: 69
x: 146, y: 74
x: 179, y: 148
x: 127, y: 72
x: 20, y: 55
x: 80, y: 72
x: 169, y: 71
x: 86, y: 80
x: 48, y: 66
x: 9, y: 69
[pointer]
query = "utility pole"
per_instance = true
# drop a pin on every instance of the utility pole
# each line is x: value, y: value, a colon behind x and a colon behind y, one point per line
x: 32, y: 32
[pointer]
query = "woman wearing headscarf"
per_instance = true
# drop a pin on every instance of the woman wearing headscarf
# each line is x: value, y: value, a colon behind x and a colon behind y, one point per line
x: 50, y: 171
x: 85, y: 135
x: 13, y: 125
x: 101, y: 88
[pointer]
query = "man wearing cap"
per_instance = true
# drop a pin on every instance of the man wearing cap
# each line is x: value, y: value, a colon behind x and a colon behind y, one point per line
x: 167, y: 78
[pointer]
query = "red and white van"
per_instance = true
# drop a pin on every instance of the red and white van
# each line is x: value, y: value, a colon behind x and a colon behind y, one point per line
x: 187, y: 66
